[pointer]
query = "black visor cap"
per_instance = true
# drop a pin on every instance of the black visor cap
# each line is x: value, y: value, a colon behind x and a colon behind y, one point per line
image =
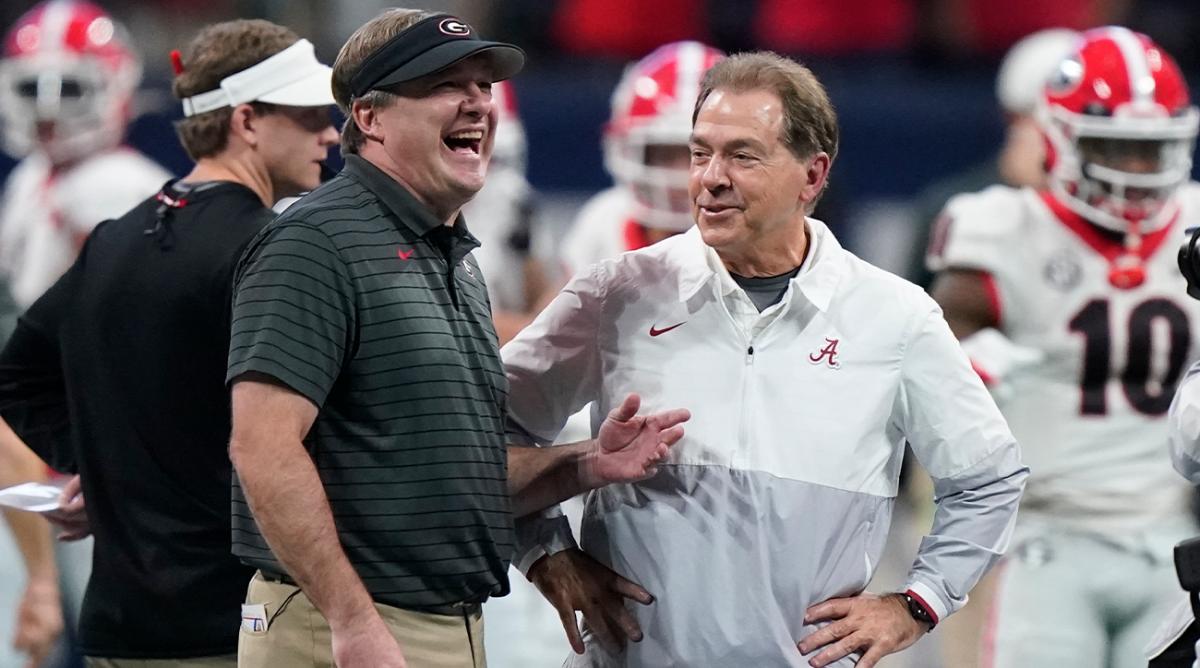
x: 431, y: 46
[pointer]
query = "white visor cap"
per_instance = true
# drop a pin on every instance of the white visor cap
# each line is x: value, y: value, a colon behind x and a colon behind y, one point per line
x: 292, y: 77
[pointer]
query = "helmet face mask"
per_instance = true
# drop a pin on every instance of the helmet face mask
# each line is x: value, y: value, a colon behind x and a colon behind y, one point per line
x: 1132, y: 179
x: 646, y: 140
x: 66, y: 82
x: 1121, y: 131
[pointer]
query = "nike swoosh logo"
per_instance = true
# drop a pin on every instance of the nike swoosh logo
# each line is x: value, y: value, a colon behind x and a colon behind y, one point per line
x: 405, y: 254
x: 654, y: 331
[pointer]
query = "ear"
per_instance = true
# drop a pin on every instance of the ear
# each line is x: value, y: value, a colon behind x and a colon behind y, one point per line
x: 816, y: 174
x: 243, y: 124
x: 366, y: 117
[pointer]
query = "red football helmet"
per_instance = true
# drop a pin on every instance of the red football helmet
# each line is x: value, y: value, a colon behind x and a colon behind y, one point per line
x: 1120, y: 131
x: 510, y: 150
x: 645, y: 141
x: 66, y: 81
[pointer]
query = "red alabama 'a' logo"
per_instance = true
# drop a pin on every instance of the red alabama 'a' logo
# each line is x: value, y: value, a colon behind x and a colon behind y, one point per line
x: 828, y: 355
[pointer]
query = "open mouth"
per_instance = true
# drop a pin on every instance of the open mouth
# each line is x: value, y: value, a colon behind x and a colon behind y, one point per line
x: 464, y: 142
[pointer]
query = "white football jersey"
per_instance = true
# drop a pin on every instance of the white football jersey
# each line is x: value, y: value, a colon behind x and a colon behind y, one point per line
x: 497, y: 213
x: 598, y: 232
x: 47, y: 215
x: 1090, y: 417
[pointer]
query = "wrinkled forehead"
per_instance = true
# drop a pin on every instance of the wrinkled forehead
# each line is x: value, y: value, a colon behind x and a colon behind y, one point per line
x: 733, y: 115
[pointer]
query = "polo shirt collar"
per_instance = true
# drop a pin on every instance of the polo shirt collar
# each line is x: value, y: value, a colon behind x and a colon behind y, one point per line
x: 403, y: 204
x: 817, y: 280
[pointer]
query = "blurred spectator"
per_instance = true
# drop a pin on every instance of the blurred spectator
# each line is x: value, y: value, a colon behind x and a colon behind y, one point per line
x: 835, y: 28
x: 626, y: 28
x: 985, y: 27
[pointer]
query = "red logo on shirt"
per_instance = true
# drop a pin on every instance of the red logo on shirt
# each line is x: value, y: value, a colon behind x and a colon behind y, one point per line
x: 404, y: 254
x: 828, y: 354
x: 654, y: 331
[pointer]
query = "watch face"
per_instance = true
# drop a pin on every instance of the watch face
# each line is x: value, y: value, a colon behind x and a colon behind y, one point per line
x: 917, y: 610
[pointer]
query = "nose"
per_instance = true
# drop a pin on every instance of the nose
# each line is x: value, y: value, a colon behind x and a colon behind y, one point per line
x: 477, y: 101
x: 715, y: 176
x: 329, y: 136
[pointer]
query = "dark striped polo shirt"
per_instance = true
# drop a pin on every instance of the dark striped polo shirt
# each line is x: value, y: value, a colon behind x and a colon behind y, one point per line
x: 358, y: 298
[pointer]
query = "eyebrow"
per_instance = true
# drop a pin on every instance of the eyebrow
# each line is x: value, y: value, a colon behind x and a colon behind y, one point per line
x: 733, y: 145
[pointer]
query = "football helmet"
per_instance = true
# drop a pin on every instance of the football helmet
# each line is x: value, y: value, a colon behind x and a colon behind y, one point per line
x: 645, y: 140
x: 510, y: 150
x: 1120, y: 131
x: 67, y: 81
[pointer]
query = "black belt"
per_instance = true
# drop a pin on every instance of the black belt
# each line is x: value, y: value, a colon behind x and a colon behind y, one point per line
x: 459, y: 609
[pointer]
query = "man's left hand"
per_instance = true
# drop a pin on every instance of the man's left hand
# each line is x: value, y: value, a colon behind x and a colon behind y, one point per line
x: 629, y: 446
x: 572, y: 580
x: 873, y: 625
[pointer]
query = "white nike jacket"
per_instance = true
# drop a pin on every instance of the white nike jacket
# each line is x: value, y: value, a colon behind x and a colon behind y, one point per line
x: 780, y: 494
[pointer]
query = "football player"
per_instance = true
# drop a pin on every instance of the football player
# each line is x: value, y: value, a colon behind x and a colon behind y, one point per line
x: 1070, y: 305
x: 646, y: 153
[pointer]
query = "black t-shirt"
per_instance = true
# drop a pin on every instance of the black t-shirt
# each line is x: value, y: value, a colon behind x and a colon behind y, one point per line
x: 118, y: 372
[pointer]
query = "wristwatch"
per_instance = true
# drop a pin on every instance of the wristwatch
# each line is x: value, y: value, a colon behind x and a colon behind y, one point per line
x: 918, y: 611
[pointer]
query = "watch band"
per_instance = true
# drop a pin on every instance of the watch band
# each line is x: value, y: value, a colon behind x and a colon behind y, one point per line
x: 919, y: 610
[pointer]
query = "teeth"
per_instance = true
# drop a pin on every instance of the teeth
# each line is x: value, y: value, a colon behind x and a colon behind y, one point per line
x: 472, y: 135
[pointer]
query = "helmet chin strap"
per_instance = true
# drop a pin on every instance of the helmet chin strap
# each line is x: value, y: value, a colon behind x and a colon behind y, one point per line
x: 1127, y: 271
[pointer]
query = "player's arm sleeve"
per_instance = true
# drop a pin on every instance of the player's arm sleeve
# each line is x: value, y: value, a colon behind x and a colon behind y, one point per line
x: 293, y: 311
x: 118, y: 185
x: 553, y: 369
x: 959, y: 436
x: 1184, y: 420
x: 33, y: 392
x: 972, y: 232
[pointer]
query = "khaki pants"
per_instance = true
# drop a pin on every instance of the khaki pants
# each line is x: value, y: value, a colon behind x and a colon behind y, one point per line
x: 224, y: 661
x: 298, y: 636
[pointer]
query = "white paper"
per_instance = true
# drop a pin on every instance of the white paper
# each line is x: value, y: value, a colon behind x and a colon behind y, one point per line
x: 35, y: 497
x: 254, y: 617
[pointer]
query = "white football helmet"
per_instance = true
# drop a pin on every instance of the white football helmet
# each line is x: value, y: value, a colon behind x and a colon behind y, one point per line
x: 1120, y: 131
x: 651, y: 111
x: 67, y: 81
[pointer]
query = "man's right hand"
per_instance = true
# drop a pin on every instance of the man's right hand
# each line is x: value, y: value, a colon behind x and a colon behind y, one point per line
x: 571, y: 580
x: 366, y: 643
x: 71, y: 515
x: 39, y: 620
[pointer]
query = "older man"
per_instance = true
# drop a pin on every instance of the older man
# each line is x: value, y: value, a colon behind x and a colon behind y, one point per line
x: 373, y: 488
x: 116, y: 371
x: 807, y: 371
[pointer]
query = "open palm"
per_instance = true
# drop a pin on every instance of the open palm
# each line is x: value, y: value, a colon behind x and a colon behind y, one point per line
x: 629, y: 446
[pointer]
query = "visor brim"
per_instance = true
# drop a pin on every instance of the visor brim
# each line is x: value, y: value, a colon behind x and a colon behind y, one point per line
x: 312, y: 90
x: 506, y: 61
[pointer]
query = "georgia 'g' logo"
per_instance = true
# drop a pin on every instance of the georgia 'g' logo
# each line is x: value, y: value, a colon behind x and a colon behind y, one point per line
x: 1067, y: 76
x: 454, y: 27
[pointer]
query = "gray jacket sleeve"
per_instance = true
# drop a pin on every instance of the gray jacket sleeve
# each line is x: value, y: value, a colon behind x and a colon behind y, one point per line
x: 960, y: 437
x: 553, y: 370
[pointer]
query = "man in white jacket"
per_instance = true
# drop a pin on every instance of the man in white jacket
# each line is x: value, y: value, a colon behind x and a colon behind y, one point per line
x: 806, y: 371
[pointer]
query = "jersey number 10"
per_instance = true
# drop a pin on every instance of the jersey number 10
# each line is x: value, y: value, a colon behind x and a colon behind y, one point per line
x: 1151, y: 397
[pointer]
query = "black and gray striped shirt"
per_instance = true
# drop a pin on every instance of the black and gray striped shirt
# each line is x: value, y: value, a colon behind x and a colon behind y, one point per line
x: 359, y: 299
